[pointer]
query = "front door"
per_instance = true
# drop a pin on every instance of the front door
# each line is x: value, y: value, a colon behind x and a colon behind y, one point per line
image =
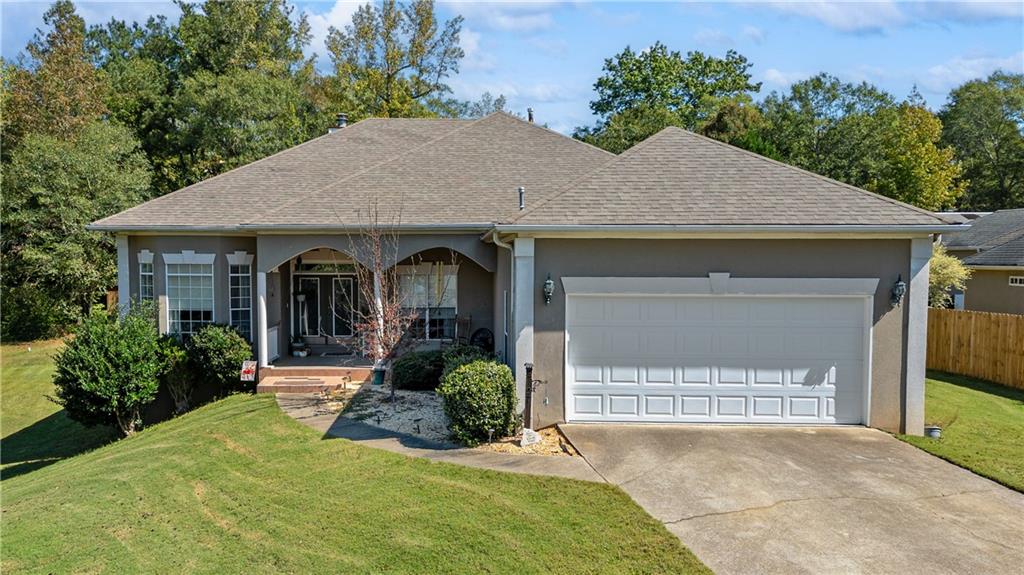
x: 307, y: 305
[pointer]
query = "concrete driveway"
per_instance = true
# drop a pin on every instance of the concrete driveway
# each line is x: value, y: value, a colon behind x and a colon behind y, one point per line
x: 810, y: 500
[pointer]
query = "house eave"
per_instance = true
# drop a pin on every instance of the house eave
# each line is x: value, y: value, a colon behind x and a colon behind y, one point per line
x: 262, y: 229
x: 1006, y: 268
x: 725, y: 230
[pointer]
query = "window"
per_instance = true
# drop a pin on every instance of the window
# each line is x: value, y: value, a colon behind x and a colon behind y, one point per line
x: 1017, y: 281
x: 240, y: 282
x: 431, y: 289
x: 240, y: 293
x: 146, y: 286
x: 189, y: 291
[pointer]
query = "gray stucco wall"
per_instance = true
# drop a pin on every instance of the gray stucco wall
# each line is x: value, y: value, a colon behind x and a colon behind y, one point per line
x: 502, y: 303
x: 990, y: 290
x: 219, y: 245
x: 883, y: 259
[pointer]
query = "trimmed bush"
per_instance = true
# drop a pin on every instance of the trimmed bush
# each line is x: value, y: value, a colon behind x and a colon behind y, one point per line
x: 480, y: 402
x: 457, y: 356
x: 177, y: 374
x: 110, y: 370
x: 217, y: 353
x: 418, y: 370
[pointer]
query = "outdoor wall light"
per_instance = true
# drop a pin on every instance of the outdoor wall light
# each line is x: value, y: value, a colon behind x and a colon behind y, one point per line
x: 549, y: 289
x: 898, y: 291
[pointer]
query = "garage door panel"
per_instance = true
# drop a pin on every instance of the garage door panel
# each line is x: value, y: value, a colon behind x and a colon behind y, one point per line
x: 723, y: 359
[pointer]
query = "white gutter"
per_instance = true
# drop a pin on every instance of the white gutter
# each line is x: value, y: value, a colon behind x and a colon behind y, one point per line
x: 292, y: 228
x: 734, y: 228
x: 512, y: 286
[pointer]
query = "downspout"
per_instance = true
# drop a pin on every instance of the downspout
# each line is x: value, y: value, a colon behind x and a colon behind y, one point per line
x: 511, y: 292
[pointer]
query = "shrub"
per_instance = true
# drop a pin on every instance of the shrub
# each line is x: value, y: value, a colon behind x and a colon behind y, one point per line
x: 110, y: 370
x: 30, y: 313
x: 177, y: 374
x: 419, y: 370
x: 480, y: 401
x: 217, y: 353
x: 457, y: 356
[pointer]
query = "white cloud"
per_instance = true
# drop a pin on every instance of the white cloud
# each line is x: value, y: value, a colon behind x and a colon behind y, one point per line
x: 754, y: 34
x: 514, y: 16
x: 518, y: 94
x: 780, y: 79
x: 475, y: 59
x: 339, y: 16
x: 853, y: 16
x: 550, y: 46
x: 942, y: 78
x: 712, y: 37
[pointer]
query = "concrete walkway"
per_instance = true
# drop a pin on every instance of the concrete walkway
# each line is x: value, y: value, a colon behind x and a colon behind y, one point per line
x: 303, y: 407
x: 811, y: 500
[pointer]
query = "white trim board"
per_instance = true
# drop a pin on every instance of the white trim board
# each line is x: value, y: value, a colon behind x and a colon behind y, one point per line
x: 720, y: 284
x: 189, y: 257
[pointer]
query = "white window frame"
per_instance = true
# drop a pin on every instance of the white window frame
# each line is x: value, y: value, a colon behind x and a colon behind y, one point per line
x: 427, y: 269
x: 1016, y: 281
x: 190, y: 257
x: 146, y: 262
x: 240, y: 258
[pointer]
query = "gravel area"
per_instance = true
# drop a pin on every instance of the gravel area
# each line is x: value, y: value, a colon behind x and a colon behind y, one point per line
x: 421, y: 414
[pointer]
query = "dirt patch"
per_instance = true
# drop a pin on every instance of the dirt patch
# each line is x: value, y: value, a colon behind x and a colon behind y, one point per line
x: 552, y: 442
x: 234, y: 445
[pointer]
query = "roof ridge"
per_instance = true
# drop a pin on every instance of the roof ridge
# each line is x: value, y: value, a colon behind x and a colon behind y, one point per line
x: 627, y: 154
x: 810, y: 173
x: 387, y: 160
x: 549, y: 130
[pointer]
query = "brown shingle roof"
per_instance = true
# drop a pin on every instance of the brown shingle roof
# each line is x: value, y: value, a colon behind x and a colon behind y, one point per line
x: 460, y: 172
x: 679, y: 178
x: 242, y: 194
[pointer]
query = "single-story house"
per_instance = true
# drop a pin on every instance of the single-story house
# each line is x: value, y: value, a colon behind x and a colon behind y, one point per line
x: 684, y: 280
x: 993, y: 249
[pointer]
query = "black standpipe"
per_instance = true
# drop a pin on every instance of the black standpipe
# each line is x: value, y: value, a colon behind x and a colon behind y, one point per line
x: 528, y: 412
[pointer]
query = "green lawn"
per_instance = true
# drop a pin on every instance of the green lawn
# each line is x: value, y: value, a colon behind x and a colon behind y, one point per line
x: 982, y: 426
x: 35, y: 430
x: 237, y: 486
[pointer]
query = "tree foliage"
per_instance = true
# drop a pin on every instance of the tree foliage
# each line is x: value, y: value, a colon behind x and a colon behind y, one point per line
x: 945, y: 274
x: 109, y: 371
x: 393, y: 60
x: 640, y: 93
x: 983, y: 121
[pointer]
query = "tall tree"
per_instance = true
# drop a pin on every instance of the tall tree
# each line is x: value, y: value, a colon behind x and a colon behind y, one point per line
x: 393, y: 60
x: 56, y: 91
x: 984, y: 122
x: 53, y: 268
x: 827, y: 126
x: 641, y: 93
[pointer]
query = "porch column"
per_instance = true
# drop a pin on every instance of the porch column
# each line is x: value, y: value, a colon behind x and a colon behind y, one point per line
x: 378, y: 311
x: 523, y: 314
x: 124, y: 295
x: 917, y: 335
x: 261, y: 318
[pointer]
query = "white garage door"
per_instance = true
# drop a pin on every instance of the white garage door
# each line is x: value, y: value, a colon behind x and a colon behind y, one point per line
x: 716, y: 359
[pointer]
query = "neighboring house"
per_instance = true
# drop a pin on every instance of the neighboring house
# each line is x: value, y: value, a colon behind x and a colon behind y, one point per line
x: 690, y: 281
x: 993, y: 248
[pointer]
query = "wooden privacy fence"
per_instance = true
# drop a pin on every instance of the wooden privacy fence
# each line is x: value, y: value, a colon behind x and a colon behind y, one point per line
x: 979, y: 344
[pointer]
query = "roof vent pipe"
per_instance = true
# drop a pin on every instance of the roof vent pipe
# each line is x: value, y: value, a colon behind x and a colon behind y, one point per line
x: 529, y: 114
x: 340, y: 122
x: 522, y: 197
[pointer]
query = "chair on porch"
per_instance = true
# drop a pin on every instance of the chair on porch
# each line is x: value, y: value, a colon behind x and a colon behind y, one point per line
x: 462, y: 329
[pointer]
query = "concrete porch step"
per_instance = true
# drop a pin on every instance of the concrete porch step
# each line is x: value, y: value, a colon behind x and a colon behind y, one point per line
x: 307, y: 384
x: 354, y: 373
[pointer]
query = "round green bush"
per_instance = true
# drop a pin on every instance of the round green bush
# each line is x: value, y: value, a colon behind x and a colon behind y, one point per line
x: 216, y: 353
x: 109, y: 371
x: 418, y: 370
x: 456, y: 356
x: 480, y: 402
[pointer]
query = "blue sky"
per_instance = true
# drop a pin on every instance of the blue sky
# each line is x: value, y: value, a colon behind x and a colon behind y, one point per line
x: 548, y: 54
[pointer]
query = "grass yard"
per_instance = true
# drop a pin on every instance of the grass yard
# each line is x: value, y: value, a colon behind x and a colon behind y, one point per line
x: 35, y: 430
x: 237, y: 486
x: 982, y: 426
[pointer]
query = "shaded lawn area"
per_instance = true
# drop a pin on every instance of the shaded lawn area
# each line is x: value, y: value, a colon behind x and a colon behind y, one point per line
x: 982, y: 426
x: 237, y: 486
x: 35, y: 431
